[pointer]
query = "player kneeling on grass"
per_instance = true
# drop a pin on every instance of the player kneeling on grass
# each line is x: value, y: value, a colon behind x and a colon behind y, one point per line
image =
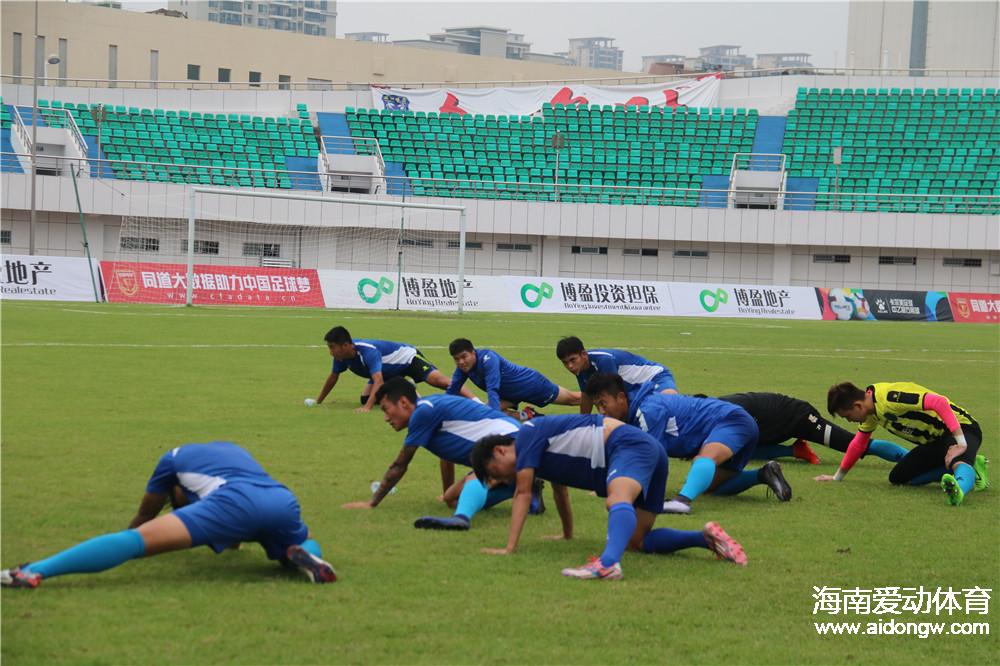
x: 506, y: 384
x: 448, y: 427
x: 781, y: 417
x: 719, y: 436
x: 616, y: 461
x: 377, y: 361
x: 222, y: 497
x: 947, y: 437
x: 632, y: 368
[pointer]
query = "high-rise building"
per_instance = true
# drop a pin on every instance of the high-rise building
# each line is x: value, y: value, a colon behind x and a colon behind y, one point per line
x: 669, y: 59
x: 308, y: 17
x: 596, y: 52
x: 783, y: 61
x: 923, y: 34
x: 484, y: 40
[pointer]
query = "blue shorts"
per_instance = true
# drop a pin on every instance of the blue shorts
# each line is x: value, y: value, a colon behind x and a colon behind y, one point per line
x: 539, y: 392
x: 663, y: 381
x: 417, y: 370
x: 738, y: 432
x: 242, y: 512
x: 636, y: 456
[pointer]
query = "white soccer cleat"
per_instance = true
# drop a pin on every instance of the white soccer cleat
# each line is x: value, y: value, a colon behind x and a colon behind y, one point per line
x: 676, y: 506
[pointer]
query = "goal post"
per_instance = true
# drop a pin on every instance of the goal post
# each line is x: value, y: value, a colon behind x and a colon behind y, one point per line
x: 370, y: 242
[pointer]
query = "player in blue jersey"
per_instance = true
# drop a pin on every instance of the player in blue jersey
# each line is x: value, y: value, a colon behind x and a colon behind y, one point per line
x: 633, y: 369
x: 506, y: 384
x: 376, y: 361
x: 616, y: 461
x: 720, y: 436
x: 448, y: 427
x: 221, y: 497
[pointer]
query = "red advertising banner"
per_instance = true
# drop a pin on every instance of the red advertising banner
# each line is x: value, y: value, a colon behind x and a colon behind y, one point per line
x: 133, y: 282
x: 977, y: 308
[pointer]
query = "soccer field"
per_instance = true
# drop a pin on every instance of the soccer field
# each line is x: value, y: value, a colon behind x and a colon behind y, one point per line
x: 92, y: 395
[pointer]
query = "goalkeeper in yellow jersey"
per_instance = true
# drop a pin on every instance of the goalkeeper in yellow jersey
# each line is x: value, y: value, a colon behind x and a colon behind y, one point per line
x: 947, y: 437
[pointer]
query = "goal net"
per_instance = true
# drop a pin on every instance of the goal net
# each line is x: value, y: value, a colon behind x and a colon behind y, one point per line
x: 311, y: 251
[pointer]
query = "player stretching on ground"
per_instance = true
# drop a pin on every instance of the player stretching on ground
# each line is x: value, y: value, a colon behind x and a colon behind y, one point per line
x: 376, y: 361
x: 781, y: 417
x: 947, y: 437
x: 633, y: 369
x: 616, y: 461
x: 719, y: 436
x: 222, y: 497
x: 506, y: 384
x: 447, y: 426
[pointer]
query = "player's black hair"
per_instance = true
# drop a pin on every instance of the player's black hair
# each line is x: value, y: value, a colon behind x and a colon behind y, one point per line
x: 338, y: 335
x: 604, y: 382
x: 842, y: 396
x: 459, y: 345
x: 569, y: 345
x: 482, y: 453
x: 396, y: 388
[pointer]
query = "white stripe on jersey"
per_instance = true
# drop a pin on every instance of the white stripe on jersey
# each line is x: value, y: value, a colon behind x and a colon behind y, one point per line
x: 599, y: 353
x: 583, y: 442
x: 401, y: 356
x: 475, y: 430
x: 639, y: 374
x: 201, y: 485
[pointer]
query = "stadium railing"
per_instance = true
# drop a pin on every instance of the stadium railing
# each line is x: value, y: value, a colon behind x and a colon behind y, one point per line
x: 957, y: 204
x: 634, y: 79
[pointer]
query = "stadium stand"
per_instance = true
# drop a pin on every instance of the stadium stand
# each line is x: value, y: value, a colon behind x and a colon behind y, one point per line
x: 192, y: 147
x: 511, y: 157
x: 931, y: 143
x: 924, y: 142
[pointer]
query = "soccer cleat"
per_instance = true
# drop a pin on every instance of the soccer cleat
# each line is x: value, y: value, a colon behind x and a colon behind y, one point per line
x: 593, y: 569
x: 456, y: 523
x: 676, y: 506
x: 949, y: 484
x: 17, y: 577
x: 724, y: 546
x: 317, y: 570
x: 802, y: 451
x: 528, y: 413
x: 982, y: 467
x: 770, y: 475
x: 537, y: 500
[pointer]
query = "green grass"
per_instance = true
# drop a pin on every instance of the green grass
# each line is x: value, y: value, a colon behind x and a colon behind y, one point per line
x: 92, y: 395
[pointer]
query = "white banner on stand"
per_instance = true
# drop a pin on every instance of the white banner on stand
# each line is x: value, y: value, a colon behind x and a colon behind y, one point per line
x: 701, y: 92
x: 754, y: 301
x: 35, y: 278
x: 589, y: 296
x: 382, y: 291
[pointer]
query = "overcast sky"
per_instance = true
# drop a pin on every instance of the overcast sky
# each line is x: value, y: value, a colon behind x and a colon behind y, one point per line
x: 639, y: 28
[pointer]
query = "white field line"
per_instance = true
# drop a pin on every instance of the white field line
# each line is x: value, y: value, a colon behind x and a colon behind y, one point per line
x: 220, y: 312
x: 872, y: 354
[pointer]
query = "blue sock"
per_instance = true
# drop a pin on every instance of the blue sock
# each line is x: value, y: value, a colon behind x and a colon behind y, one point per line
x: 93, y: 555
x: 773, y: 451
x: 311, y: 547
x: 621, y: 525
x: 966, y: 477
x: 886, y: 450
x: 666, y: 540
x: 472, y: 499
x: 738, y: 483
x: 699, y: 478
x: 933, y: 476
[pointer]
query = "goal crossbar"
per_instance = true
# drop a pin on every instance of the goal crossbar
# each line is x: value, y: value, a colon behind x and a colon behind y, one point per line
x: 192, y: 214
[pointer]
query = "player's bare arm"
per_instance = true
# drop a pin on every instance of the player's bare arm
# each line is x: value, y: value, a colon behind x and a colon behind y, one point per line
x: 392, y: 476
x: 518, y: 513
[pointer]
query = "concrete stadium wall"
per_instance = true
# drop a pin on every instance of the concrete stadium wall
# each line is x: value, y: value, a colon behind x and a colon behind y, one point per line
x: 89, y: 31
x: 752, y: 246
